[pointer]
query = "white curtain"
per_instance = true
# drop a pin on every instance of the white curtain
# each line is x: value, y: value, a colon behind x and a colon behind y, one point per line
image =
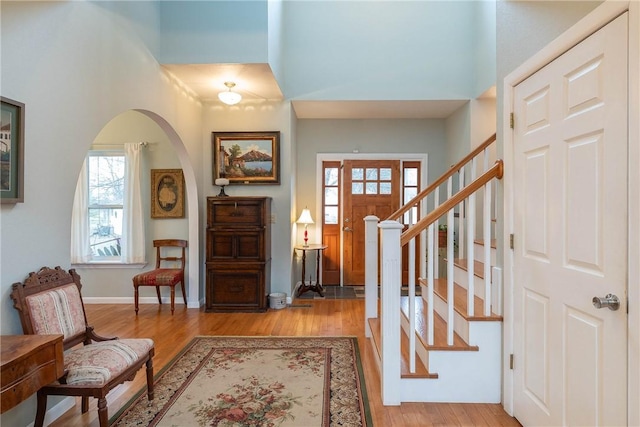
x: 133, y: 239
x: 80, y: 249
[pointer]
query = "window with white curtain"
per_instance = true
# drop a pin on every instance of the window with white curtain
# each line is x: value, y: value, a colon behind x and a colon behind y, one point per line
x: 105, y: 192
x: 107, y: 223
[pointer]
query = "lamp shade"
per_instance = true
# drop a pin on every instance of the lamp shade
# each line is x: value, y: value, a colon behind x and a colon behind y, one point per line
x: 229, y: 97
x: 305, y: 217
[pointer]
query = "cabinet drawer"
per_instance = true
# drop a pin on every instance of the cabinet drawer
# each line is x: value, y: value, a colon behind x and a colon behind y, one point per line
x: 235, y: 288
x: 240, y: 245
x: 236, y: 212
x: 28, y: 363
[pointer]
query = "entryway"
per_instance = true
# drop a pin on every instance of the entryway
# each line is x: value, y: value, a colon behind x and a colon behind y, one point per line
x: 352, y: 188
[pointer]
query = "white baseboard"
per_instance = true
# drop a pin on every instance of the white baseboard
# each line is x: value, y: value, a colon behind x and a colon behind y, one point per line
x: 142, y: 300
x: 57, y: 411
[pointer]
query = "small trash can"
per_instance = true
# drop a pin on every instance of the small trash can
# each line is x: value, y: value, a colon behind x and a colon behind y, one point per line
x: 278, y: 300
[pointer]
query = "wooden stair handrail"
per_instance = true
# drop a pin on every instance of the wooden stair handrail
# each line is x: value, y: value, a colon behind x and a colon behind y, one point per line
x: 494, y: 171
x: 397, y: 214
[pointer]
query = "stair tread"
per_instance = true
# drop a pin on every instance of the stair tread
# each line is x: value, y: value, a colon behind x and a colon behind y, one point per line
x: 421, y: 370
x: 460, y: 300
x: 480, y: 242
x: 478, y: 266
x: 440, y: 328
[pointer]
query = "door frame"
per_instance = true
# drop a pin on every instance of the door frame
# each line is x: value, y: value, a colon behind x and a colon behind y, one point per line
x: 341, y: 157
x: 595, y: 20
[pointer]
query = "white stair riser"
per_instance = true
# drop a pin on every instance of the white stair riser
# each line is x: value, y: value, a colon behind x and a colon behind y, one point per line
x: 460, y: 324
x: 463, y: 376
x: 461, y: 277
x: 421, y: 351
x: 478, y: 253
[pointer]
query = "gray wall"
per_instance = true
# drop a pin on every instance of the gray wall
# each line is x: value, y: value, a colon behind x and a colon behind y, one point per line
x: 382, y: 50
x: 365, y: 136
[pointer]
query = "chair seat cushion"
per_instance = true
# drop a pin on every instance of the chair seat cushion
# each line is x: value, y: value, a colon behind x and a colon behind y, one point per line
x: 99, y: 362
x: 158, y: 277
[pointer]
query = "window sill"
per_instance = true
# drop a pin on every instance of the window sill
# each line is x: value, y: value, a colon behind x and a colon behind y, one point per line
x: 108, y: 264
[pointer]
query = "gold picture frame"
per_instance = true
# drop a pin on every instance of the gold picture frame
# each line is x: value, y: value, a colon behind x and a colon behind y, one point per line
x: 246, y: 157
x: 167, y: 193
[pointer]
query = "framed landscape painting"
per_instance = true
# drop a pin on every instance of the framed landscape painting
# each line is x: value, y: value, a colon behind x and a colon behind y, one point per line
x: 246, y: 157
x: 11, y: 151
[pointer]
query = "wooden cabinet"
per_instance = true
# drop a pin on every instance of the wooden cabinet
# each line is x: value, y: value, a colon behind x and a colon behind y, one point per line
x: 238, y: 253
x: 28, y: 363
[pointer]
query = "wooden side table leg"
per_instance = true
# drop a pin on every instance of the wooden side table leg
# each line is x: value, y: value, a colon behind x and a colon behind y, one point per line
x: 303, y: 287
x: 318, y: 284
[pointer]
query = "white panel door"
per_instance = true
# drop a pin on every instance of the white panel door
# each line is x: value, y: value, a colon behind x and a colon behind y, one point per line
x: 570, y: 220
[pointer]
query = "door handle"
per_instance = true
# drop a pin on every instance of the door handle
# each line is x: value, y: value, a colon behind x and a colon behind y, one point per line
x: 611, y: 301
x: 347, y: 229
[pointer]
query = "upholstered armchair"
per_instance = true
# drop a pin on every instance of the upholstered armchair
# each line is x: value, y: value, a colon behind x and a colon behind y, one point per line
x: 50, y: 302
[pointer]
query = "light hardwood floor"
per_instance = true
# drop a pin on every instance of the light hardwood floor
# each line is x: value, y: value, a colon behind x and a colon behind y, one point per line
x: 311, y: 317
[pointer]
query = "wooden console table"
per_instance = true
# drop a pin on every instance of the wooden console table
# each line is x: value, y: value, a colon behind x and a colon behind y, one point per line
x: 310, y: 285
x: 28, y: 363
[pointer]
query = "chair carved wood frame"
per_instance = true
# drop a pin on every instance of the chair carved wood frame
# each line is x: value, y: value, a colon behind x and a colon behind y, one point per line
x: 50, y: 302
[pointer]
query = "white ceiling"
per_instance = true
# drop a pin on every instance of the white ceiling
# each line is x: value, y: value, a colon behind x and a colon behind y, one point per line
x: 256, y: 82
x: 253, y: 81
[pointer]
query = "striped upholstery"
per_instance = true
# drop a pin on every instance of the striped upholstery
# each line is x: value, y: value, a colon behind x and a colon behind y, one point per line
x: 160, y: 276
x: 57, y: 311
x: 97, y: 363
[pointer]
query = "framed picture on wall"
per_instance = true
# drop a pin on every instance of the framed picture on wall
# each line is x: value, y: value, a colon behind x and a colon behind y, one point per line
x: 11, y: 151
x: 167, y: 193
x: 246, y: 157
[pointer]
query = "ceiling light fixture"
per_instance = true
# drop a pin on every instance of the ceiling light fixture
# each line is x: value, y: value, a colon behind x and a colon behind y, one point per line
x: 229, y: 97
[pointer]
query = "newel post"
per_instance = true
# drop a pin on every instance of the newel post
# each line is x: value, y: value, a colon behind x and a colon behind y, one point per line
x: 370, y: 271
x: 391, y: 266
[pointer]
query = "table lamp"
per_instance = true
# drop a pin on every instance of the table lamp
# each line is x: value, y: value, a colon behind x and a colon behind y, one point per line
x: 305, y: 218
x: 222, y: 182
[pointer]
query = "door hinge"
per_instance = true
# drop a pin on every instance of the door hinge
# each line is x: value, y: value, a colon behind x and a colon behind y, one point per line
x: 511, y: 241
x: 511, y: 361
x: 511, y: 120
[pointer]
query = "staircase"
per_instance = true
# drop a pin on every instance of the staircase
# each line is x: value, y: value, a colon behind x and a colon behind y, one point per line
x: 446, y: 344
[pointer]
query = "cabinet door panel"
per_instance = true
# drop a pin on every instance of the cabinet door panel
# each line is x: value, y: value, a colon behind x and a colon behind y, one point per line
x: 219, y: 245
x: 235, y: 244
x: 235, y: 288
x: 249, y: 246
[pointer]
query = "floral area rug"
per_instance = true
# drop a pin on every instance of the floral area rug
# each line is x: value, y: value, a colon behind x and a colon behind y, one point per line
x: 256, y: 381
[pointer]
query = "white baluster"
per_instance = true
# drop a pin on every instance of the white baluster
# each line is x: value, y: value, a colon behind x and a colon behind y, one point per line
x: 487, y: 249
x: 436, y: 203
x: 461, y: 214
x: 412, y: 297
x: 412, y: 304
x: 471, y: 230
x: 450, y: 289
x: 430, y: 276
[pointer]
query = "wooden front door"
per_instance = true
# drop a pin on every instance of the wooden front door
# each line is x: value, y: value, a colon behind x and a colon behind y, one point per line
x: 570, y: 221
x: 371, y: 187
